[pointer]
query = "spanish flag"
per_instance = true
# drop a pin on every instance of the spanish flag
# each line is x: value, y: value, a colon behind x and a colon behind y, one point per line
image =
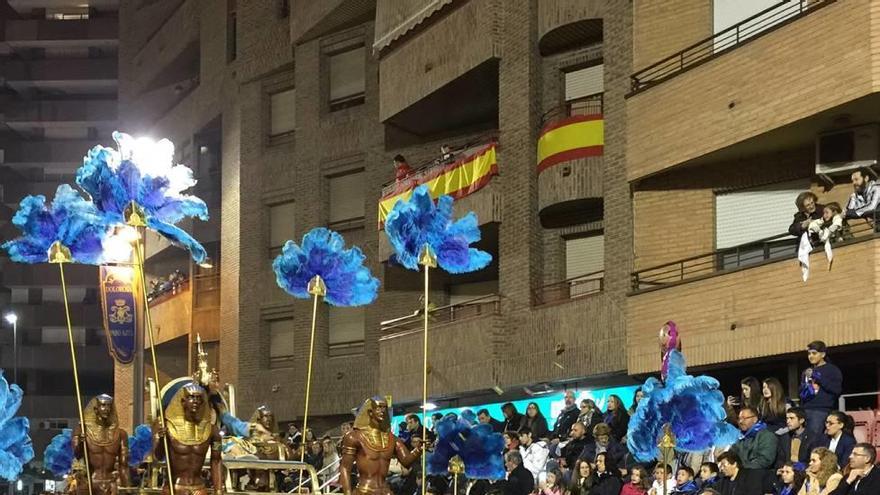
x: 575, y: 137
x: 462, y: 178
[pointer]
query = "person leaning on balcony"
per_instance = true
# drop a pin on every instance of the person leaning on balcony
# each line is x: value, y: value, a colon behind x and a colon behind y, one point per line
x: 829, y: 228
x: 808, y: 210
x: 865, y: 197
x: 820, y: 387
x: 402, y: 170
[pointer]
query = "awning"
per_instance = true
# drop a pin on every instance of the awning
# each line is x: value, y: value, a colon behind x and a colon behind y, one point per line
x: 394, y: 18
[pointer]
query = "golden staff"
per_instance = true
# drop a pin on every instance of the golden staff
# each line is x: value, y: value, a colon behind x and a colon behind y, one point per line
x: 428, y: 259
x: 134, y: 217
x: 316, y: 288
x: 59, y: 255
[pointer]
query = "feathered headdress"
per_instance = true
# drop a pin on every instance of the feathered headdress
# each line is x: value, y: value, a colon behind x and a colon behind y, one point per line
x: 16, y: 449
x: 58, y: 456
x: 139, y: 445
x: 478, y: 446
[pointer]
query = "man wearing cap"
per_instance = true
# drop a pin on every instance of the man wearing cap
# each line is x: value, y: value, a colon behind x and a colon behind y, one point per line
x: 821, y: 385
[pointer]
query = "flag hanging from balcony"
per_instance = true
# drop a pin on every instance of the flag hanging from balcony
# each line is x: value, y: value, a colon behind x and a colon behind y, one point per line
x: 462, y: 178
x: 118, y: 306
x: 578, y: 136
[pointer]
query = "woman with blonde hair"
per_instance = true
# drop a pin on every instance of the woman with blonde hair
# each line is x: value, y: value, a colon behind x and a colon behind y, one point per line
x: 822, y: 473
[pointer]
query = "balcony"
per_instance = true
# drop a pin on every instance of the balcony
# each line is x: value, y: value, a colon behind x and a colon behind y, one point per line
x: 32, y: 33
x: 40, y: 112
x: 171, y: 314
x: 54, y: 156
x: 45, y: 275
x: 51, y: 314
x: 570, y: 165
x: 56, y: 357
x: 567, y: 290
x: 309, y: 20
x: 77, y: 76
x: 460, y: 343
x: 191, y: 308
x: 750, y: 301
x: 171, y: 53
x: 757, y: 82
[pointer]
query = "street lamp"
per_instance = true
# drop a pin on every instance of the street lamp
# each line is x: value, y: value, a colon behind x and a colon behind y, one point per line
x: 12, y: 318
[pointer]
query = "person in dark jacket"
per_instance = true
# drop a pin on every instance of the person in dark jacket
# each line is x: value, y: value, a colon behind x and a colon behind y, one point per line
x: 838, y: 436
x: 519, y: 480
x: 616, y: 417
x: 484, y: 417
x: 535, y: 421
x: 589, y: 416
x: 513, y: 420
x: 566, y: 418
x: 575, y: 445
x: 864, y: 476
x: 798, y: 437
x: 757, y: 448
x: 603, y: 443
x: 820, y: 388
x: 738, y: 480
x: 608, y: 480
x: 808, y: 210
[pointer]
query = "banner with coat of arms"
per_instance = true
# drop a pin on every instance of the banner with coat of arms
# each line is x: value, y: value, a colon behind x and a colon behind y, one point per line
x: 118, y: 306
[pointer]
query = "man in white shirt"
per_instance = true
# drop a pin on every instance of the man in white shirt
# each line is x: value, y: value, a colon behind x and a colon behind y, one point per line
x: 534, y: 454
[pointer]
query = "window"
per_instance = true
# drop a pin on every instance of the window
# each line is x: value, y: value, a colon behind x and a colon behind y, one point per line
x: 283, y: 112
x: 584, y: 255
x: 347, y: 78
x: 346, y: 197
x: 58, y: 335
x: 281, y: 227
x: 280, y: 340
x: 346, y: 330
x: 231, y: 31
x: 584, y: 89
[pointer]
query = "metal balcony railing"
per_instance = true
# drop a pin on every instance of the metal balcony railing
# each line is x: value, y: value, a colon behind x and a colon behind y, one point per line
x: 707, y: 49
x: 481, y: 306
x: 756, y: 253
x: 588, y: 105
x: 572, y: 288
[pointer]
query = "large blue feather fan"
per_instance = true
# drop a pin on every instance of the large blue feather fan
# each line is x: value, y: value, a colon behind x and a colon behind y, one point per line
x: 58, y: 456
x: 69, y: 219
x: 16, y: 448
x: 139, y: 445
x: 412, y: 224
x: 693, y: 406
x: 348, y: 281
x: 143, y: 171
x: 478, y: 446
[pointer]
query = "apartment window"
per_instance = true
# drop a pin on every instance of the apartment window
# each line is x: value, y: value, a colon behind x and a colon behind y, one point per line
x: 231, y: 31
x: 583, y: 90
x: 584, y: 255
x: 58, y: 335
x: 282, y: 109
x: 281, y: 226
x: 280, y: 340
x: 347, y: 78
x: 346, y: 330
x: 346, y: 197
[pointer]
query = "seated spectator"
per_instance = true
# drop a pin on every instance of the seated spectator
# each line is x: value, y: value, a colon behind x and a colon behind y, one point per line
x: 738, y: 480
x: 790, y: 480
x: 572, y: 449
x: 511, y: 441
x: 582, y: 479
x: 446, y: 156
x: 484, y: 417
x: 684, y: 482
x: 535, y: 421
x: 830, y: 227
x: 773, y: 405
x: 708, y: 475
x: 662, y: 474
x: 750, y: 396
x: 519, y: 480
x: 567, y: 417
x: 795, y: 445
x: 823, y: 475
x: 513, y: 420
x: 808, y: 210
x: 637, y: 396
x: 607, y: 476
x: 639, y: 483
x: 534, y: 452
x: 603, y: 443
x: 589, y: 416
x: 838, y: 436
x: 865, y: 197
x: 616, y: 417
x: 553, y: 484
x: 821, y: 385
x: 413, y: 427
x: 757, y: 447
x: 864, y: 476
x: 402, y: 170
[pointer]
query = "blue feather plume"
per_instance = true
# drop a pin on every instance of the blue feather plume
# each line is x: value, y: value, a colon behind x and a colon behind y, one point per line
x: 16, y: 448
x: 143, y: 172
x: 348, y: 281
x: 412, y: 224
x: 478, y: 446
x: 69, y: 219
x: 139, y: 445
x: 693, y: 406
x: 58, y: 456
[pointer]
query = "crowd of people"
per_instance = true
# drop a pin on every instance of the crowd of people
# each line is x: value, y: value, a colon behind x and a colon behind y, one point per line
x: 828, y: 222
x: 166, y: 285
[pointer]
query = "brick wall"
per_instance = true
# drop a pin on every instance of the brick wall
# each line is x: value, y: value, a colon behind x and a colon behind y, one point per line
x: 663, y: 28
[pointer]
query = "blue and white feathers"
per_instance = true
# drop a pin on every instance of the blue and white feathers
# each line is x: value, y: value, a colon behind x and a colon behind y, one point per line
x: 58, y: 456
x: 478, y: 446
x: 16, y: 448
x: 323, y: 253
x: 139, y: 445
x: 412, y: 224
x: 692, y: 406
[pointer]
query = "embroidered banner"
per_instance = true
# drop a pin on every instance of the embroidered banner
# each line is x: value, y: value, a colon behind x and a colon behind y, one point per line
x: 574, y: 137
x: 118, y: 305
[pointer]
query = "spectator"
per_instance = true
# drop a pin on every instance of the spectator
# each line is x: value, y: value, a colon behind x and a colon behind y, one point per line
x: 808, y: 210
x: 616, y: 417
x: 576, y: 444
x: 403, y: 433
x: 865, y: 197
x: 663, y: 474
x: 535, y: 421
x: 790, y: 480
x: 639, y: 482
x: 567, y: 417
x: 830, y: 227
x: 708, y: 475
x: 821, y: 385
x: 553, y: 484
x: 757, y: 446
x: 435, y: 418
x: 636, y: 398
x: 485, y: 418
x: 293, y: 437
x: 607, y: 476
x: 795, y: 445
x: 445, y: 154
x: 750, y: 396
x: 519, y: 480
x: 315, y: 455
x: 738, y: 480
x: 402, y: 170
x: 773, y: 405
x: 589, y: 416
x: 603, y: 444
x: 684, y: 482
x: 582, y: 479
x: 863, y: 477
x: 838, y: 435
x: 534, y: 452
x: 511, y: 441
x: 413, y: 428
x: 513, y: 420
x: 331, y: 460
x: 822, y: 473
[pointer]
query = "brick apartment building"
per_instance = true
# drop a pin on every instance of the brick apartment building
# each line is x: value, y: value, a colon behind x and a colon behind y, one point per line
x: 295, y: 109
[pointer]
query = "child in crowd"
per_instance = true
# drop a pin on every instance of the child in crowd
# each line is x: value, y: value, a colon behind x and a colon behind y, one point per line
x: 553, y: 483
x: 638, y: 484
x: 659, y: 476
x: 684, y: 482
x: 828, y: 228
x: 790, y: 480
x: 708, y: 475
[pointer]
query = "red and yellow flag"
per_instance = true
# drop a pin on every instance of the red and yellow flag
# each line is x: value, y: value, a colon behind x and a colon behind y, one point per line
x: 575, y: 137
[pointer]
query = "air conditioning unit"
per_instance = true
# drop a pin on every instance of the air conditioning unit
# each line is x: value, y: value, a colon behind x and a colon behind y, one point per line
x: 840, y: 152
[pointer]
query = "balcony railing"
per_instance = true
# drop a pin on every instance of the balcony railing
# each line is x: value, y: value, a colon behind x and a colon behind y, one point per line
x: 740, y: 33
x: 572, y: 288
x: 475, y: 308
x: 756, y: 253
x: 588, y: 105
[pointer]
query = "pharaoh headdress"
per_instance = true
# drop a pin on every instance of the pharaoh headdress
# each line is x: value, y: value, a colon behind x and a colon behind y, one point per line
x: 96, y: 432
x: 362, y: 421
x: 179, y: 428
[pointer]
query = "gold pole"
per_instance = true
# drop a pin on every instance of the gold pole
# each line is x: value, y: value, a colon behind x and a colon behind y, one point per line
x: 428, y: 260
x: 82, y: 422
x: 317, y: 289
